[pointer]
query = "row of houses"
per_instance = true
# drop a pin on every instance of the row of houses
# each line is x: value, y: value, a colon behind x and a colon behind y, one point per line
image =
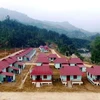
x: 13, y: 65
x: 69, y: 70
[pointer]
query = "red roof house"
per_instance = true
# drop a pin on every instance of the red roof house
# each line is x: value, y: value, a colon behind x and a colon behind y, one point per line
x: 41, y: 75
x: 59, y: 62
x: 52, y: 57
x: 42, y: 60
x: 77, y: 62
x: 72, y: 74
x: 93, y: 75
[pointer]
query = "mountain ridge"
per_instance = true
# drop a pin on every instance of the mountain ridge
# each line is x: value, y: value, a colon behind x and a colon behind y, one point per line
x: 60, y: 27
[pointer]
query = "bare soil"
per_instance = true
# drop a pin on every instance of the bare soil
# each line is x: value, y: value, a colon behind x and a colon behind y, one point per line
x: 49, y: 96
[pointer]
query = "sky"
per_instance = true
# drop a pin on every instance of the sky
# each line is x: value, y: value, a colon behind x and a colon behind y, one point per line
x: 83, y: 14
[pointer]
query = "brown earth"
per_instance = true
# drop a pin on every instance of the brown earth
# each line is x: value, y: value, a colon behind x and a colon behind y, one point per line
x: 49, y: 96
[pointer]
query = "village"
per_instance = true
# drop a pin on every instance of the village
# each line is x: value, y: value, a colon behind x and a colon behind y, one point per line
x: 45, y: 69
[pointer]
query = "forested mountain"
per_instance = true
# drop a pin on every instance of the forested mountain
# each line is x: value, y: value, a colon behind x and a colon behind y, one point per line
x: 14, y: 34
x: 59, y: 27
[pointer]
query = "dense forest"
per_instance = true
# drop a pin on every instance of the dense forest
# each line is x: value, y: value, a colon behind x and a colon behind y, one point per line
x: 96, y: 51
x: 14, y: 34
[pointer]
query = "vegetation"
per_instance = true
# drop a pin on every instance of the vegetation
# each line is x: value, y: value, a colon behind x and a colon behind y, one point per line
x: 15, y: 35
x: 96, y: 50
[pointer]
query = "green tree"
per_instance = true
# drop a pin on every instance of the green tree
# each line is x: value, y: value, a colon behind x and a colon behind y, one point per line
x: 95, y: 50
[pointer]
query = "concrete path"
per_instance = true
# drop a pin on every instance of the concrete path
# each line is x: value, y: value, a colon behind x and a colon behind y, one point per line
x: 69, y: 84
x: 49, y: 96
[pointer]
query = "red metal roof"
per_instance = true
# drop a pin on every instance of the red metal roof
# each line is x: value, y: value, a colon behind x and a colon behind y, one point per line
x: 7, y: 74
x: 12, y: 67
x: 42, y: 60
x: 42, y: 55
x: 94, y: 70
x: 14, y: 58
x: 26, y: 51
x: 68, y: 70
x: 10, y: 60
x: 42, y: 70
x: 75, y: 61
x: 4, y: 64
x: 52, y: 56
x: 61, y: 60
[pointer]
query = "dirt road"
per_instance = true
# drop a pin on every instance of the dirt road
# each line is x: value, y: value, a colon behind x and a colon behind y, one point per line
x: 53, y: 52
x: 48, y: 96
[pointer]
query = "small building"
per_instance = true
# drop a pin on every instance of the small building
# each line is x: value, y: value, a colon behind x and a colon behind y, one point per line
x: 20, y: 65
x: 30, y: 55
x: 77, y: 62
x: 59, y: 62
x: 93, y: 75
x: 42, y: 60
x: 72, y: 74
x: 11, y: 63
x: 41, y: 75
x: 44, y: 48
x: 26, y: 55
x: 52, y: 57
x: 5, y: 75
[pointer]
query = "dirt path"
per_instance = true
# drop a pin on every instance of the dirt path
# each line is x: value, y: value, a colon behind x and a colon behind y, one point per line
x: 23, y: 81
x: 49, y: 96
x: 29, y: 63
x: 53, y: 52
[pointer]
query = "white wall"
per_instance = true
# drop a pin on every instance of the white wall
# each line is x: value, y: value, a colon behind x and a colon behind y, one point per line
x: 38, y: 64
x: 57, y: 65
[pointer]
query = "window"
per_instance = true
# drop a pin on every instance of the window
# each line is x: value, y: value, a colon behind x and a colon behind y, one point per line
x: 45, y: 76
x: 91, y: 75
x: 75, y: 77
x: 88, y: 73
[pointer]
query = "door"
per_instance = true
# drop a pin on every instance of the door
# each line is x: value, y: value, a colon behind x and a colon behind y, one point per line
x: 38, y: 77
x: 68, y: 78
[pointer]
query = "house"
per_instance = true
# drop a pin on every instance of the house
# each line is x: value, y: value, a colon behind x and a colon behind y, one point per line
x: 30, y: 55
x: 11, y: 63
x: 77, y: 62
x: 5, y: 75
x: 59, y: 62
x: 52, y: 57
x: 42, y: 60
x: 41, y: 75
x: 26, y: 55
x: 44, y: 48
x: 20, y: 65
x: 93, y: 75
x: 70, y: 74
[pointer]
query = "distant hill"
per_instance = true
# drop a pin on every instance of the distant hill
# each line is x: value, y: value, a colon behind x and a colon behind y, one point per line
x: 60, y: 27
x: 94, y: 36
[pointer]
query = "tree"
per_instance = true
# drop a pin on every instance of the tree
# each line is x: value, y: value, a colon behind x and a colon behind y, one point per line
x: 95, y: 53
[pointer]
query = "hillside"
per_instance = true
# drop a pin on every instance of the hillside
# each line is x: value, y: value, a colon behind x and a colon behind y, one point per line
x: 14, y: 34
x: 59, y: 27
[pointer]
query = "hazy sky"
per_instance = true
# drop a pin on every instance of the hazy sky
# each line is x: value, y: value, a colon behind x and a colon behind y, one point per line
x: 81, y: 13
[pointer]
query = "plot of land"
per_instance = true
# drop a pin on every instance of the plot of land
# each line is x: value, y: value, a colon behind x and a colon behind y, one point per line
x: 57, y: 86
